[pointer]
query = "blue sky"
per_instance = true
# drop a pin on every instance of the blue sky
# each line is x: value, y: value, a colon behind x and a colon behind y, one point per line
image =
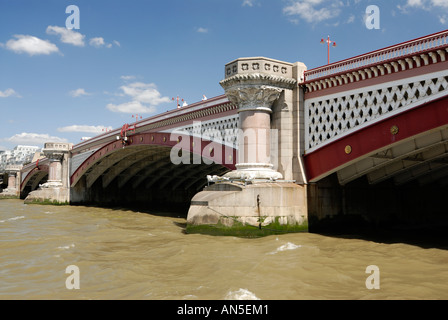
x: 131, y: 57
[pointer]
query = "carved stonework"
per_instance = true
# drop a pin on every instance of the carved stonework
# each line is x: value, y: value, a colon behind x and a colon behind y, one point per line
x: 259, y: 64
x: 259, y: 79
x: 254, y: 98
x: 256, y: 91
x: 13, y: 169
x: 56, y: 151
x: 54, y: 156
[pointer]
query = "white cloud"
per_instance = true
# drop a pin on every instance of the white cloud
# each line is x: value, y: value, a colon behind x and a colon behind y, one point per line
x: 127, y: 78
x: 31, y: 45
x: 313, y: 11
x: 33, y: 138
x: 145, y: 93
x: 440, y: 3
x: 9, y: 93
x: 78, y: 93
x: 97, y: 42
x: 248, y: 3
x: 131, y: 107
x: 415, y: 3
x: 85, y: 129
x: 428, y: 5
x: 202, y: 30
x: 67, y: 35
x: 351, y: 19
x: 144, y: 98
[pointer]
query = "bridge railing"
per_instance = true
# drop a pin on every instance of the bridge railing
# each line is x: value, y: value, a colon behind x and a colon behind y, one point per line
x: 420, y: 45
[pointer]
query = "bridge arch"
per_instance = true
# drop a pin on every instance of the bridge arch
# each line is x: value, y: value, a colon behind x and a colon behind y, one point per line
x: 393, y: 171
x: 142, y: 169
x: 33, y: 179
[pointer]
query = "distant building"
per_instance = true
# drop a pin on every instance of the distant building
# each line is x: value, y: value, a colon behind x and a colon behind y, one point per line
x: 19, y: 155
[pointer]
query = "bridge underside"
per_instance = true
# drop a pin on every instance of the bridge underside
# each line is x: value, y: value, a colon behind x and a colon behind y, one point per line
x: 385, y: 204
x: 33, y: 180
x: 393, y: 171
x: 142, y: 176
x: 3, y: 182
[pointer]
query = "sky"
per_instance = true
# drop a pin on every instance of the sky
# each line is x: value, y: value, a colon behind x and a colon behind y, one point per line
x: 72, y: 69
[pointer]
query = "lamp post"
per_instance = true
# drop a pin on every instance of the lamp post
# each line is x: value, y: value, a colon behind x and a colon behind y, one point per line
x: 329, y: 42
x: 178, y: 102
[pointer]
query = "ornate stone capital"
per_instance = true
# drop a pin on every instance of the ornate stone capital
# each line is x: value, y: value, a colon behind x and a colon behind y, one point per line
x: 54, y: 156
x: 13, y: 169
x: 251, y: 98
x: 258, y: 79
x: 56, y: 151
x: 254, y: 84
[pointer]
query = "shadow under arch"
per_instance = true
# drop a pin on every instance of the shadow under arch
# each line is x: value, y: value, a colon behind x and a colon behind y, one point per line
x: 142, y: 173
x: 33, y: 179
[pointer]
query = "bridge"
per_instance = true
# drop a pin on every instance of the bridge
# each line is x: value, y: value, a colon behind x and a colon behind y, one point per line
x: 366, y: 136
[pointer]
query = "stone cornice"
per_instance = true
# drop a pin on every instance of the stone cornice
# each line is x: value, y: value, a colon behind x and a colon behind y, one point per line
x: 13, y: 168
x: 54, y: 156
x: 254, y: 84
x: 56, y: 151
x: 260, y: 79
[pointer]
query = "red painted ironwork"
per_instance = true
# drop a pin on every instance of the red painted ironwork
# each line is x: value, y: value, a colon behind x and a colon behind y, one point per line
x: 401, y: 50
x: 375, y: 137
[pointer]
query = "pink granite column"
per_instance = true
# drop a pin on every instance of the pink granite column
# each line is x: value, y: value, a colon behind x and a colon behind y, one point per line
x: 13, y: 172
x: 254, y: 141
x: 12, y: 180
x: 55, y: 153
x: 54, y: 173
x: 254, y: 85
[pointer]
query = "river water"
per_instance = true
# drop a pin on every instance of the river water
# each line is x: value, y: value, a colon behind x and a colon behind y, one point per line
x: 123, y: 254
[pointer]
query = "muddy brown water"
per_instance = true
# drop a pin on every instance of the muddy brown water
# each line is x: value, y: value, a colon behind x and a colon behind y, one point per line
x: 124, y: 254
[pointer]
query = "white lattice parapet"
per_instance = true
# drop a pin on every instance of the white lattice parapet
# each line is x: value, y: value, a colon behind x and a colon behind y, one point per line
x: 333, y: 116
x: 225, y: 129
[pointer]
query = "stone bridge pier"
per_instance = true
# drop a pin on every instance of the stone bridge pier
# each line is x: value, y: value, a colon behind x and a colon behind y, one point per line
x: 14, y: 176
x: 263, y: 189
x: 57, y: 188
